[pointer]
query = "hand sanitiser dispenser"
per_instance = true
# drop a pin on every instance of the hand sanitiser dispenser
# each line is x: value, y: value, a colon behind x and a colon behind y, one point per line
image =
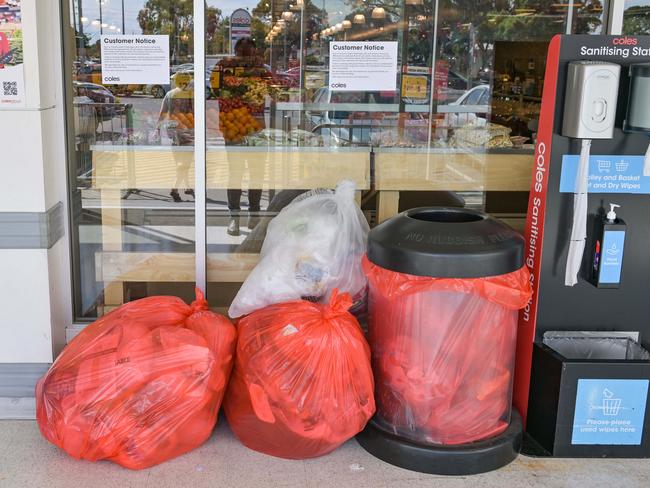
x: 608, y: 252
x: 638, y: 105
x: 589, y: 113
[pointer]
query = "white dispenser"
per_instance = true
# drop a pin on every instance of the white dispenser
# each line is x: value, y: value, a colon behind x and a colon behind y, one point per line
x: 591, y: 97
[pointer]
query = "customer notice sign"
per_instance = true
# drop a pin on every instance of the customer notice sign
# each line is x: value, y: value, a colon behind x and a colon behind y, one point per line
x: 363, y: 66
x: 135, y: 60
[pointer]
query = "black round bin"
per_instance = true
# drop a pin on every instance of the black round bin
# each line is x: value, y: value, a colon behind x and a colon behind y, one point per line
x: 445, y: 287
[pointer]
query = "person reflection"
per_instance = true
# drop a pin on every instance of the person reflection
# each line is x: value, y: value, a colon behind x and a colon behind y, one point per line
x: 245, y: 63
x: 176, y: 123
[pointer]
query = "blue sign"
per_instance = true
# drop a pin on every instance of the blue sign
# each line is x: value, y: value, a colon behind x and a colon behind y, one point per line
x: 610, y: 412
x: 607, y: 174
x: 611, y: 256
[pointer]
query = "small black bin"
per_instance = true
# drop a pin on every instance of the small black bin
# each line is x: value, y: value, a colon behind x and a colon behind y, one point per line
x: 589, y: 395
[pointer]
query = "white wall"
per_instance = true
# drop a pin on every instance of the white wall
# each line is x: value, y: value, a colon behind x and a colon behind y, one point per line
x: 35, y: 291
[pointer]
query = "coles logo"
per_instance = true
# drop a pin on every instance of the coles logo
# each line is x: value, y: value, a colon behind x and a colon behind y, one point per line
x: 240, y: 17
x: 625, y: 41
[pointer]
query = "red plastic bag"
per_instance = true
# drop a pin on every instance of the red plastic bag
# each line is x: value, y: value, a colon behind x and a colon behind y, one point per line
x: 443, y: 353
x: 302, y: 383
x: 141, y: 385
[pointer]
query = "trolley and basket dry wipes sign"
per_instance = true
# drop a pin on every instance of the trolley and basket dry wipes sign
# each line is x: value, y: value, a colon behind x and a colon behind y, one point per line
x: 135, y: 60
x: 363, y: 66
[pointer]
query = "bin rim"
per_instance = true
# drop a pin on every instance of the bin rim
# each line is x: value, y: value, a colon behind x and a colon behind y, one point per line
x: 446, y: 242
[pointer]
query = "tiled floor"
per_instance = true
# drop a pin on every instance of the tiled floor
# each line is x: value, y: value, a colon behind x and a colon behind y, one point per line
x: 26, y: 460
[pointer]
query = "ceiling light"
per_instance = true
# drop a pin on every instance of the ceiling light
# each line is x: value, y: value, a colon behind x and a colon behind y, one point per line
x: 359, y: 19
x: 378, y: 13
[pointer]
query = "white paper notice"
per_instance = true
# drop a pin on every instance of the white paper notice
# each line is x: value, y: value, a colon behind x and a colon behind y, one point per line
x: 135, y: 60
x: 363, y: 66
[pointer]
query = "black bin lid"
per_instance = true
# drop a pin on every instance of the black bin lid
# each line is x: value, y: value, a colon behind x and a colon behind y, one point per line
x: 446, y: 243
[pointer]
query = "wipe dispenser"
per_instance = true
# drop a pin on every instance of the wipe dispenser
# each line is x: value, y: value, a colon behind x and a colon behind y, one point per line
x: 589, y: 113
x: 445, y: 287
x: 638, y: 105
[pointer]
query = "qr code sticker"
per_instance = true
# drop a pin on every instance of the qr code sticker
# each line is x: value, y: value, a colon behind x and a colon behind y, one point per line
x: 10, y: 88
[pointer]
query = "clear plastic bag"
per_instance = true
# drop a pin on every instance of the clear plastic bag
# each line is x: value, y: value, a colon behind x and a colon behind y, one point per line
x: 302, y: 383
x: 139, y: 386
x: 315, y: 244
x: 595, y: 345
x: 443, y: 353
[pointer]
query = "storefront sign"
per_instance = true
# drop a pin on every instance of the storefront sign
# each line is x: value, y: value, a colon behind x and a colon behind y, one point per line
x: 607, y: 174
x: 240, y: 26
x: 363, y: 66
x: 414, y: 87
x: 12, y: 77
x: 417, y: 70
x: 441, y: 80
x: 135, y: 60
x: 609, y: 412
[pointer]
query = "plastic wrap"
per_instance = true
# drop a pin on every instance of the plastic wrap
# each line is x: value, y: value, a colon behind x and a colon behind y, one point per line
x: 595, y: 345
x: 443, y: 353
x: 139, y: 386
x: 312, y: 246
x: 302, y: 383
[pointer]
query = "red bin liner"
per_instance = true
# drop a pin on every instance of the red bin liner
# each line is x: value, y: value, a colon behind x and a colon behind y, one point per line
x: 302, y: 383
x: 141, y: 385
x: 443, y: 353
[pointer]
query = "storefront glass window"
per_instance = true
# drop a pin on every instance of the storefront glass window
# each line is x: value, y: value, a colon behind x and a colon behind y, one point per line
x: 443, y: 111
x: 636, y: 18
x: 131, y: 156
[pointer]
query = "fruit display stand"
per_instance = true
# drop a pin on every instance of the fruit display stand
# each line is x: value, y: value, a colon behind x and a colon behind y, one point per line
x: 414, y: 169
x: 120, y: 168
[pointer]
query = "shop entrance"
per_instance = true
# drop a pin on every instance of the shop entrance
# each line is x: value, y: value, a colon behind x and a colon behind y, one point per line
x: 192, y: 124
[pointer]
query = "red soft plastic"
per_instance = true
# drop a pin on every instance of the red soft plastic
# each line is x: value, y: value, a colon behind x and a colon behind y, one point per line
x: 141, y: 385
x: 302, y: 383
x: 443, y: 353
